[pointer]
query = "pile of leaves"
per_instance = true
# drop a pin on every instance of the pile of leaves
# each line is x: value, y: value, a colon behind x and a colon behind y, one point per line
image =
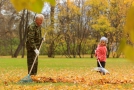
x: 85, y: 80
x: 64, y: 79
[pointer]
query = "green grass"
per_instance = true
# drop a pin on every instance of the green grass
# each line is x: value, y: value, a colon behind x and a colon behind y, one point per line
x: 48, y: 62
x: 60, y: 63
x: 57, y: 64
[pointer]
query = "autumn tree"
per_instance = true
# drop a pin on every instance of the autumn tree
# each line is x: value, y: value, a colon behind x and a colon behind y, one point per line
x: 98, y: 21
x: 117, y: 17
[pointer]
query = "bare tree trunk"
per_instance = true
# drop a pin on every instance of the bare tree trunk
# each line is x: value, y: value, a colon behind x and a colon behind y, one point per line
x: 51, y: 47
x: 74, y: 46
x: 68, y: 46
x: 25, y: 33
x: 22, y: 34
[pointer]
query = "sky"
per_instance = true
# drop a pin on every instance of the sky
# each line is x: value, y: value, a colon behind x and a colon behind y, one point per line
x: 46, y: 8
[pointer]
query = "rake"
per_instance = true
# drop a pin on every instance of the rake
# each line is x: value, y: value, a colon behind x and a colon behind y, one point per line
x: 101, y: 69
x: 27, y: 78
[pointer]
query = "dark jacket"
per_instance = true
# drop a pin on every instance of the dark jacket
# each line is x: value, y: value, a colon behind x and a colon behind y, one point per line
x: 33, y: 36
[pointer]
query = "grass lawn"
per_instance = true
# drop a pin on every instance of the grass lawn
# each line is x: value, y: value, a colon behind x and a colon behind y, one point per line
x: 76, y: 74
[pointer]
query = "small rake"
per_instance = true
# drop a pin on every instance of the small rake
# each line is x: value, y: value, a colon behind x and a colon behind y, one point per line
x: 101, y: 69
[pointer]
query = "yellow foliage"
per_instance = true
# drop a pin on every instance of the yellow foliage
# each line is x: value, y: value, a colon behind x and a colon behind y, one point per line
x: 102, y: 4
x: 128, y: 51
x: 122, y: 45
x: 102, y: 24
x: 73, y: 7
x: 128, y: 1
x: 129, y: 19
x: 94, y: 2
x: 129, y: 29
x: 52, y: 2
x: 33, y: 5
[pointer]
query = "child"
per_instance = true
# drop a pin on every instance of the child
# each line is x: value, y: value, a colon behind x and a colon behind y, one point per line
x: 101, y: 51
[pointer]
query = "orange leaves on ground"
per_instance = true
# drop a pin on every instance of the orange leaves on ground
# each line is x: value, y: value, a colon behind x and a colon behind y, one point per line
x: 82, y: 79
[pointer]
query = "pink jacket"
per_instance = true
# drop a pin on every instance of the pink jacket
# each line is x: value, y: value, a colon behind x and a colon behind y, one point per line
x: 101, y: 53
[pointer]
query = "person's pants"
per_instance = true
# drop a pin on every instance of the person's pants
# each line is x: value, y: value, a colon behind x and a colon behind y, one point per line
x: 30, y: 59
x: 102, y: 64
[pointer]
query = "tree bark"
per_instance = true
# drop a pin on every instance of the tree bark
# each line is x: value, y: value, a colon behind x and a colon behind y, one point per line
x: 22, y: 34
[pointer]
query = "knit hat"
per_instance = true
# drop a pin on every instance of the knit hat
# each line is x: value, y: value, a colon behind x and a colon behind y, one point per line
x: 104, y: 39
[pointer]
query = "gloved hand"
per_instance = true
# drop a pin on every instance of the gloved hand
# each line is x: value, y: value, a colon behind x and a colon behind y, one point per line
x: 43, y: 39
x: 37, y: 52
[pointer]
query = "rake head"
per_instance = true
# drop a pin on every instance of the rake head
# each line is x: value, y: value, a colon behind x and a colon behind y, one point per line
x: 26, y: 79
x: 101, y: 70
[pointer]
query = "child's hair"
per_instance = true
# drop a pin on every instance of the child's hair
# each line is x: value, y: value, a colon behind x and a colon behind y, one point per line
x: 104, y: 39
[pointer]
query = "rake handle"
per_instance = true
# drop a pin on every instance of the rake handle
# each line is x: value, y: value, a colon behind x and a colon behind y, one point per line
x: 36, y: 55
x: 99, y: 63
